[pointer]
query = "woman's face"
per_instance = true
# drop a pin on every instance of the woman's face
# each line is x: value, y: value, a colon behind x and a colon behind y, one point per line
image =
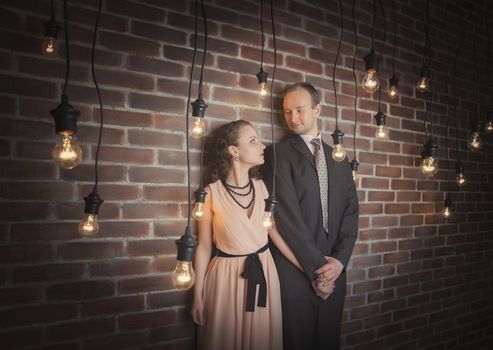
x: 249, y: 149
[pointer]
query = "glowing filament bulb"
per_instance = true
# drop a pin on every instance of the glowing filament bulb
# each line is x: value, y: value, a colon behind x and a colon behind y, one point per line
x: 489, y: 126
x: 475, y: 141
x: 370, y: 81
x: 382, y: 133
x: 339, y: 153
x: 393, y: 92
x: 429, y: 166
x: 268, y: 220
x: 197, y: 129
x: 49, y: 46
x: 263, y: 89
x: 198, y: 211
x: 355, y: 176
x: 423, y: 84
x: 89, y: 226
x: 447, y: 212
x: 460, y: 179
x: 183, y: 276
x: 67, y: 154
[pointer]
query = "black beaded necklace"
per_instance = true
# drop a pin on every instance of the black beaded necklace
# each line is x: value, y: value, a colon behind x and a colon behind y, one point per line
x: 230, y: 189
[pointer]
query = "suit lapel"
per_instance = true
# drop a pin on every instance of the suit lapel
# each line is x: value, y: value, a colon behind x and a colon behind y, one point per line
x: 301, y: 147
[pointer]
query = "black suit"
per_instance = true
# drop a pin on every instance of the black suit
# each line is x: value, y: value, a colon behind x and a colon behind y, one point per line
x: 308, y: 321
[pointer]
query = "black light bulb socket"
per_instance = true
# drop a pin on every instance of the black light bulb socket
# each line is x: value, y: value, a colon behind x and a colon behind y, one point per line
x: 448, y: 201
x: 354, y: 165
x: 198, y: 108
x: 186, y: 246
x: 262, y: 76
x: 200, y: 195
x: 270, y: 204
x: 337, y: 136
x: 372, y: 61
x: 489, y: 116
x: 380, y: 118
x: 424, y: 72
x: 477, y: 126
x: 393, y: 81
x: 51, y: 28
x: 430, y: 149
x: 459, y: 167
x: 65, y: 116
x: 93, y: 202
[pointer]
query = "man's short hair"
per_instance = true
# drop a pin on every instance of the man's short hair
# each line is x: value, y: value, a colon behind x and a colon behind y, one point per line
x: 308, y: 88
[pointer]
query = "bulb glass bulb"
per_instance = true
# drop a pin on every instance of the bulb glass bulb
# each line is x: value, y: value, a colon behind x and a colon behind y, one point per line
x: 382, y: 133
x: 89, y: 226
x: 198, y: 211
x: 183, y: 276
x: 489, y: 127
x: 197, y: 129
x: 268, y: 220
x: 339, y: 153
x: 475, y: 142
x: 429, y: 166
x: 423, y: 84
x: 263, y: 89
x: 355, y: 176
x: 460, y: 179
x: 447, y: 212
x: 67, y: 154
x: 393, y: 92
x: 49, y: 46
x: 370, y: 81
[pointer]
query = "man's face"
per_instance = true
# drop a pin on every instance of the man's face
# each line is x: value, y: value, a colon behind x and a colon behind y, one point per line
x: 299, y: 115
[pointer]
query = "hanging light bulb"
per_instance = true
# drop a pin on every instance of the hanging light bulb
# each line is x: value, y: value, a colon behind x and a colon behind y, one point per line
x: 489, y: 123
x: 197, y: 127
x: 354, y: 170
x: 382, y: 133
x: 424, y: 79
x: 393, y: 91
x: 198, y: 210
x: 475, y: 142
x: 268, y: 218
x: 49, y: 46
x: 263, y: 89
x: 339, y: 153
x: 460, y: 178
x: 370, y: 81
x: 429, y: 162
x: 447, y: 210
x: 183, y: 276
x: 89, y: 226
x: 67, y: 153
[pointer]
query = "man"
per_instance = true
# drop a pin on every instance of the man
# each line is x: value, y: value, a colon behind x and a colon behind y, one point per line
x: 322, y: 242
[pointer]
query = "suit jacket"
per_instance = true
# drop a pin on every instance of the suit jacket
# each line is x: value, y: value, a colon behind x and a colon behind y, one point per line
x: 298, y: 215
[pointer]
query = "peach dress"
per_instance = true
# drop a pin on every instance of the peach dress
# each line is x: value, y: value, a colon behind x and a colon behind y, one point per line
x: 228, y: 326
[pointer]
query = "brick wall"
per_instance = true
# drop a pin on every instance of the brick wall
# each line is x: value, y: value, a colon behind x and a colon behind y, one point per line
x: 415, y: 281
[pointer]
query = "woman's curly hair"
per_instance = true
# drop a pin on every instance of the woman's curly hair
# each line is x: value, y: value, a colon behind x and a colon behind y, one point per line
x: 217, y: 158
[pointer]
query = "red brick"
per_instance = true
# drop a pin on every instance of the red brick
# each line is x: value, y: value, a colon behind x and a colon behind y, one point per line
x: 165, y: 193
x: 86, y: 94
x: 150, y: 247
x: 90, y: 250
x: 149, y: 211
x: 154, y: 138
x: 129, y: 44
x: 85, y: 172
x: 379, y: 247
x: 27, y: 87
x: 45, y: 68
x: 375, y: 183
x: 43, y: 232
x: 397, y: 208
x: 121, y: 79
x: 117, y: 341
x: 20, y: 295
x: 22, y: 337
x: 49, y: 272
x: 147, y: 320
x: 125, y: 155
x: 303, y: 65
x: 158, y: 32
x: 121, y: 267
x: 112, y: 192
x: 80, y: 329
x: 115, y: 305
x: 156, y: 175
x: 124, y: 118
x: 27, y: 315
x: 379, y: 196
x: 36, y: 190
x: 236, y: 97
x: 366, y: 286
x: 156, y: 103
x: 145, y: 284
x: 387, y: 171
x: 75, y: 211
x: 366, y: 261
x: 17, y: 211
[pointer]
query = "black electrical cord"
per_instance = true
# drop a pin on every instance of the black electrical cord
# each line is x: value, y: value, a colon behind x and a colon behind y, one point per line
x: 384, y: 27
x: 272, y: 98
x: 373, y: 23
x: 475, y: 59
x: 187, y: 137
x: 335, y: 64
x: 425, y: 9
x: 355, y: 28
x: 204, y: 18
x: 262, y: 33
x: 447, y: 44
x: 395, y: 37
x: 67, y: 44
x: 93, y: 51
x: 457, y: 145
x: 52, y: 9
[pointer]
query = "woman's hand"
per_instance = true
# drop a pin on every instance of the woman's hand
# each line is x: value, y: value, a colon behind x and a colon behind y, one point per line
x: 323, y: 289
x: 198, y: 311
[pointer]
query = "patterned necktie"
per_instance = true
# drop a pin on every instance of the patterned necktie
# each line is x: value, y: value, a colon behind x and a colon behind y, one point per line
x: 323, y: 180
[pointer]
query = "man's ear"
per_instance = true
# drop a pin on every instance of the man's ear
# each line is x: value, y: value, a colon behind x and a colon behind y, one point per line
x: 318, y: 110
x: 233, y: 150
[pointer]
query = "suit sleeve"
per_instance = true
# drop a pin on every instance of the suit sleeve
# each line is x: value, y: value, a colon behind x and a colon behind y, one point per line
x: 348, y: 229
x: 288, y: 216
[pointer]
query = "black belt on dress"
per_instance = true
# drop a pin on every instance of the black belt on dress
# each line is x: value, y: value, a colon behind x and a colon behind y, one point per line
x: 254, y: 274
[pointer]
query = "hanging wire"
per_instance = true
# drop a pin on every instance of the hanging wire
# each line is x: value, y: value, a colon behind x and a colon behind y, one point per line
x: 475, y: 59
x: 373, y: 23
x: 272, y: 97
x: 204, y: 18
x: 93, y: 70
x: 457, y: 145
x: 187, y: 136
x: 447, y: 67
x: 262, y: 32
x: 355, y: 28
x: 395, y: 37
x: 379, y: 99
x: 384, y: 27
x: 335, y: 64
x: 52, y: 9
x: 67, y: 45
x: 424, y: 12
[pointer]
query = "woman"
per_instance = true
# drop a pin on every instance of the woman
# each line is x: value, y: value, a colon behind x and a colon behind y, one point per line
x: 231, y: 311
